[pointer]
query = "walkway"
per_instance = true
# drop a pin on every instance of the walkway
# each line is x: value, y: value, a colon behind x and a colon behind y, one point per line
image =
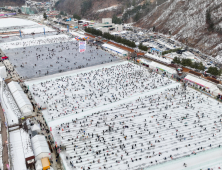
x: 4, y: 138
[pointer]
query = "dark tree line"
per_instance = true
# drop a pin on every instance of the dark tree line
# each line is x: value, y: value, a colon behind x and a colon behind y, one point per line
x: 86, y: 6
x: 116, y: 20
x: 135, y: 11
x: 189, y: 63
x: 142, y: 47
x: 170, y: 51
x: 111, y: 37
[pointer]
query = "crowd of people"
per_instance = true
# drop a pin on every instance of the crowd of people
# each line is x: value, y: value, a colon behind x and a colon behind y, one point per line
x: 50, y: 56
x: 168, y: 125
x: 77, y: 93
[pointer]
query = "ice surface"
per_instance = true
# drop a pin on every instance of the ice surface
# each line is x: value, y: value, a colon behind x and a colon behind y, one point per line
x: 49, y: 55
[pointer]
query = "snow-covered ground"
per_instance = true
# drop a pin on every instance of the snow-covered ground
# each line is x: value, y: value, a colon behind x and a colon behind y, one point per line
x: 8, y: 23
x: 108, y: 9
x: 36, y: 17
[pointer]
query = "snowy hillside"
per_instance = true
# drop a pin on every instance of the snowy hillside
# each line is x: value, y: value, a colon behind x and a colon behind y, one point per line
x: 186, y: 20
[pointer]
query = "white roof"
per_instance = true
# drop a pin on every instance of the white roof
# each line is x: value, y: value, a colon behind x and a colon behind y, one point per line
x: 35, y: 127
x: 163, y: 67
x: 118, y: 50
x: 17, y: 154
x: 14, y: 86
x: 12, y: 118
x: 187, y: 53
x: 21, y: 99
x: 27, y: 147
x: 216, y: 92
x: 202, y: 82
x: 144, y: 61
x: 39, y: 145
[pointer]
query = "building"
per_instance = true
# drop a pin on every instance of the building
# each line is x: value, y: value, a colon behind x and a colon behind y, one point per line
x: 107, y: 20
x: 115, y: 50
x: 29, y: 10
x: 21, y: 99
x: 40, y: 147
x: 188, y: 55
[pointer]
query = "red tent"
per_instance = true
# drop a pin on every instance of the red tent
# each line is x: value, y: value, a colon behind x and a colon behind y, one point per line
x: 4, y: 58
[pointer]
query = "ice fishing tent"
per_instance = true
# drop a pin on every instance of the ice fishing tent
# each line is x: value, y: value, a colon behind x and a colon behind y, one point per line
x: 21, y: 99
x: 40, y: 147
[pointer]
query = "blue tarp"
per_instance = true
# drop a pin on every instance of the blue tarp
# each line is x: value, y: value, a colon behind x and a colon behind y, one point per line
x: 154, y: 49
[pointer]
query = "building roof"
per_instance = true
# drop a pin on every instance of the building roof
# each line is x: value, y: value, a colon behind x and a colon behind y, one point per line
x: 17, y: 153
x: 118, y: 50
x: 14, y: 86
x: 20, y: 98
x: 40, y: 145
x: 27, y: 147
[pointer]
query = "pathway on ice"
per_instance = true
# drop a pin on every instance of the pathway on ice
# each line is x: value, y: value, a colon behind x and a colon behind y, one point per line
x: 68, y: 118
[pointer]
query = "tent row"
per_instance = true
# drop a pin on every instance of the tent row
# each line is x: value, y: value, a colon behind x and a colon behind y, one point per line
x: 115, y: 49
x: 21, y: 98
x: 163, y: 68
x: 209, y: 87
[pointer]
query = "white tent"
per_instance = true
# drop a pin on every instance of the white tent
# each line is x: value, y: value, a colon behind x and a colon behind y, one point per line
x: 23, y: 103
x: 169, y: 70
x: 203, y: 83
x: 21, y: 98
x: 115, y: 49
x: 3, y: 73
x: 40, y: 147
x: 38, y: 165
x: 217, y: 92
x: 35, y: 127
x: 17, y: 153
x: 14, y: 86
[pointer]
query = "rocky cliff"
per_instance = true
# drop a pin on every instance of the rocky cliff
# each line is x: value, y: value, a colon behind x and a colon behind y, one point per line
x: 197, y: 23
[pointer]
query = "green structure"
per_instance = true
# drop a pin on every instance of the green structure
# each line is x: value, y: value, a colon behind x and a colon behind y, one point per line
x: 28, y: 10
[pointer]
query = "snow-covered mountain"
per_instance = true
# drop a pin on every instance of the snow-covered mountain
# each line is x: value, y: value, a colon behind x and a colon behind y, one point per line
x: 195, y: 22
